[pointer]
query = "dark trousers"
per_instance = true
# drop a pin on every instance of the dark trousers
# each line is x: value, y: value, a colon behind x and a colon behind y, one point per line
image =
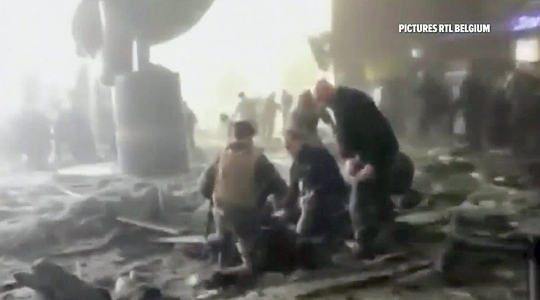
x: 267, y: 129
x: 474, y: 131
x: 243, y: 223
x: 371, y: 208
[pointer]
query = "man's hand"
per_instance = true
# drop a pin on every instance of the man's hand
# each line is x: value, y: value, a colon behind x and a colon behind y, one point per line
x: 307, y: 202
x: 279, y: 214
x: 352, y: 166
x: 367, y: 172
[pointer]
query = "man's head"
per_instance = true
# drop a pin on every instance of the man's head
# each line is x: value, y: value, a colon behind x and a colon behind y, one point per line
x: 306, y: 99
x: 224, y: 118
x: 271, y: 97
x: 243, y: 130
x: 242, y: 95
x: 293, y: 141
x: 324, y: 93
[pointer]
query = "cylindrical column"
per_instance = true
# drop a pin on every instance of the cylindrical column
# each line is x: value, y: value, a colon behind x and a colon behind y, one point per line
x: 149, y: 121
x: 118, y: 41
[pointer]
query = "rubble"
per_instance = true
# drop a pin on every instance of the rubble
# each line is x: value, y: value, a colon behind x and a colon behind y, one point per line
x: 52, y: 282
x: 457, y: 216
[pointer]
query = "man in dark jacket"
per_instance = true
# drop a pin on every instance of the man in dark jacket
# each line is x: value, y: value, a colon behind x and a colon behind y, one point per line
x: 473, y: 95
x: 435, y: 105
x: 238, y: 184
x: 286, y: 105
x: 267, y: 118
x: 317, y: 195
x: 367, y: 141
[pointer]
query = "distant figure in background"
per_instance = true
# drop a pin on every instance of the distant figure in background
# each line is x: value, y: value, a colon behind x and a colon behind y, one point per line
x: 305, y: 119
x: 72, y: 129
x: 34, y: 136
x: 473, y: 96
x: 286, y: 105
x: 246, y: 109
x: 435, y: 100
x: 225, y: 123
x: 191, y: 122
x: 523, y: 92
x: 499, y: 127
x: 268, y: 117
x: 32, y: 128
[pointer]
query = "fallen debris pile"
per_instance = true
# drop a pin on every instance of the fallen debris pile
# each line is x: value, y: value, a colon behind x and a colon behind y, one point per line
x: 460, y: 218
x: 68, y: 213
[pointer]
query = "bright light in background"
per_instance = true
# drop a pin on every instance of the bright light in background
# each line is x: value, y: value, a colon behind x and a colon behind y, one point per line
x: 245, y: 45
x: 254, y: 46
x: 35, y: 38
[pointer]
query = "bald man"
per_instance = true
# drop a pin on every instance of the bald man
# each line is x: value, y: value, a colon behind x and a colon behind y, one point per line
x: 368, y: 143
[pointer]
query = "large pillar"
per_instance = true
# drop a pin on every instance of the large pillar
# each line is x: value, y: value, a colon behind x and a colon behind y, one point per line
x: 118, y: 41
x: 149, y: 123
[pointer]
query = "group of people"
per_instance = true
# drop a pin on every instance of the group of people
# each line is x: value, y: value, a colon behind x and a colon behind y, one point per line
x: 263, y: 112
x: 241, y: 180
x: 38, y: 137
x: 499, y: 107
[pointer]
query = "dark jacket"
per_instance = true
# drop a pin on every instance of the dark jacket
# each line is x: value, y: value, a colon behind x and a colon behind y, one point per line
x: 435, y: 96
x: 362, y: 129
x: 267, y: 179
x: 319, y: 172
x: 473, y: 95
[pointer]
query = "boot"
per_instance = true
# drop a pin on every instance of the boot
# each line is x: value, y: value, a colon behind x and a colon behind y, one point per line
x: 363, y: 247
x: 362, y: 252
x: 246, y: 268
x: 386, y: 241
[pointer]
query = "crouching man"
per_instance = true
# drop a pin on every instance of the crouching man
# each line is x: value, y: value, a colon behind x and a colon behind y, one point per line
x: 370, y: 146
x: 317, y: 196
x: 238, y: 183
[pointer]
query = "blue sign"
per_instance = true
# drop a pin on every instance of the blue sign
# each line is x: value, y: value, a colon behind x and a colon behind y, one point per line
x: 526, y: 22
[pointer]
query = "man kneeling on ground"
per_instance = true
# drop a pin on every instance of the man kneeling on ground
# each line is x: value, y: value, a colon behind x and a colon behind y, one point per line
x: 238, y: 183
x: 318, y: 193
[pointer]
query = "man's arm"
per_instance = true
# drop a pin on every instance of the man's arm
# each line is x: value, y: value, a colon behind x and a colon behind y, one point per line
x: 380, y: 138
x: 207, y: 180
x: 238, y: 108
x: 268, y: 178
x: 325, y: 176
x: 345, y: 145
x: 343, y: 130
x: 327, y: 119
x: 291, y: 200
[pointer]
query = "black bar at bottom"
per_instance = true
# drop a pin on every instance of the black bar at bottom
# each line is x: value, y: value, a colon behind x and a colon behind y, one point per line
x: 533, y: 284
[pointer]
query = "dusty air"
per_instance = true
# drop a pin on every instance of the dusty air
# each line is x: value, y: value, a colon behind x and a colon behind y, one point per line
x: 320, y: 149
